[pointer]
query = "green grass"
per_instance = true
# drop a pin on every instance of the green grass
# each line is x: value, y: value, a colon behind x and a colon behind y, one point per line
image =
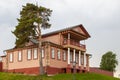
x: 82, y: 76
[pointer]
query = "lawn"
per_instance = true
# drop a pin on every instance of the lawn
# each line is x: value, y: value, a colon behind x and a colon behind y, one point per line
x: 82, y: 76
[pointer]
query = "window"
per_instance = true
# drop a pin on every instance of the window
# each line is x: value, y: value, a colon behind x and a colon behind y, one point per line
x: 82, y: 57
x: 53, y: 53
x: 58, y: 53
x: 71, y: 57
x: 29, y: 54
x: 42, y: 52
x: 76, y: 58
x: 35, y: 53
x: 11, y: 57
x: 64, y: 55
x: 19, y: 55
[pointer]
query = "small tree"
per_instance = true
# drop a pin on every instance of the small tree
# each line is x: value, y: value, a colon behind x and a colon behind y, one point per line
x: 109, y: 61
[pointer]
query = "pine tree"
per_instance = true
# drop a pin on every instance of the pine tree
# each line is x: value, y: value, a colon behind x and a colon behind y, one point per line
x: 29, y: 15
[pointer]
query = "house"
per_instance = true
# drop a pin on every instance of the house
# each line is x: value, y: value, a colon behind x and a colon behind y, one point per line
x: 59, y: 50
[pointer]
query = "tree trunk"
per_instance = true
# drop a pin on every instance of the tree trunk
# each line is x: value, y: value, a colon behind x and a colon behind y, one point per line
x: 40, y: 54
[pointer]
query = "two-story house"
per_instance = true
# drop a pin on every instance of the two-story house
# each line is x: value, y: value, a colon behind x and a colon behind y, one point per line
x: 59, y: 50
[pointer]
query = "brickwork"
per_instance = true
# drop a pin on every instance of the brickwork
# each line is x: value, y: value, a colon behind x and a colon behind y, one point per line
x: 56, y: 46
x: 99, y: 71
x: 33, y: 70
x: 0, y: 66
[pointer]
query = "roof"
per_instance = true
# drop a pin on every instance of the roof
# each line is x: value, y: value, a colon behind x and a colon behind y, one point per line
x: 69, y: 28
x: 58, y: 31
x: 43, y: 43
x: 3, y: 56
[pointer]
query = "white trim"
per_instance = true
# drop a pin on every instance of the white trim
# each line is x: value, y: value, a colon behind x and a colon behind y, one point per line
x: 68, y: 55
x: 11, y: 57
x: 64, y: 55
x: 35, y: 53
x: 84, y: 59
x: 29, y: 54
x: 19, y: 55
x: 43, y: 52
x: 79, y: 58
x: 53, y: 53
x: 58, y: 54
x: 74, y: 55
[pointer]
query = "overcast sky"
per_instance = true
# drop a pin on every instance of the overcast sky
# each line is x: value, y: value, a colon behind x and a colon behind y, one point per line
x: 101, y: 18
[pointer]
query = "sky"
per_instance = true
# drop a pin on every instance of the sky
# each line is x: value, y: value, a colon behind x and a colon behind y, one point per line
x: 101, y: 18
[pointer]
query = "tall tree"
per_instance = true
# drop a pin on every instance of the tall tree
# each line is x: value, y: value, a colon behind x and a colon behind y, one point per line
x: 29, y: 15
x: 109, y: 61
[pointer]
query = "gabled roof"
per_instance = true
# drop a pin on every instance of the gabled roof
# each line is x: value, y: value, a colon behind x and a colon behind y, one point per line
x: 66, y: 29
x: 3, y: 56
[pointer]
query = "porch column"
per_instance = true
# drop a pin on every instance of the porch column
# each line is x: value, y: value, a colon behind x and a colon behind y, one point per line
x: 79, y: 58
x: 84, y: 59
x: 68, y: 56
x: 74, y: 55
x: 87, y: 62
x: 68, y: 69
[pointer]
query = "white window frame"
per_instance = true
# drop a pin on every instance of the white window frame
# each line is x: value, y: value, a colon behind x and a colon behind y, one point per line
x: 58, y: 54
x: 29, y: 54
x: 19, y: 55
x: 11, y: 57
x: 64, y: 55
x: 52, y: 53
x: 35, y: 53
x: 43, y: 53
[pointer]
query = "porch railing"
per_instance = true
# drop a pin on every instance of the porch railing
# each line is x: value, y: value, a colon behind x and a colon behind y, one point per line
x: 73, y: 42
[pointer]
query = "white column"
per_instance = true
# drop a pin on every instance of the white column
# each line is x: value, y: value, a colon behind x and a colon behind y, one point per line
x: 74, y: 55
x: 68, y: 55
x: 79, y: 58
x: 84, y: 59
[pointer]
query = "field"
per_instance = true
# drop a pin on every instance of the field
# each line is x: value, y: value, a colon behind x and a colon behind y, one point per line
x: 82, y: 76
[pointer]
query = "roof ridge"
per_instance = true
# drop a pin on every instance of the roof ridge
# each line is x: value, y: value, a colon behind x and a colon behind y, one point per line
x: 67, y: 28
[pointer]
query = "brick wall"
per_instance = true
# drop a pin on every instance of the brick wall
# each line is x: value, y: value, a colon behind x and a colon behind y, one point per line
x: 32, y: 70
x: 0, y: 66
x: 99, y: 71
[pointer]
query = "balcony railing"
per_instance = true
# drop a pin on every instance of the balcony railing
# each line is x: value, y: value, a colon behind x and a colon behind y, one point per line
x: 73, y: 42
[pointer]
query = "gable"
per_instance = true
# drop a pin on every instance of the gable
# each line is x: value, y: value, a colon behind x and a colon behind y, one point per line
x: 80, y: 29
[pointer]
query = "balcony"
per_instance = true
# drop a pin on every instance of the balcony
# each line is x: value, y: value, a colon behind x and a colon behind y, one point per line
x: 74, y: 43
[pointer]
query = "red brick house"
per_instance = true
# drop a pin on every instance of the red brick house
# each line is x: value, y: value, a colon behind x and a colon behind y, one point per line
x: 59, y: 50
